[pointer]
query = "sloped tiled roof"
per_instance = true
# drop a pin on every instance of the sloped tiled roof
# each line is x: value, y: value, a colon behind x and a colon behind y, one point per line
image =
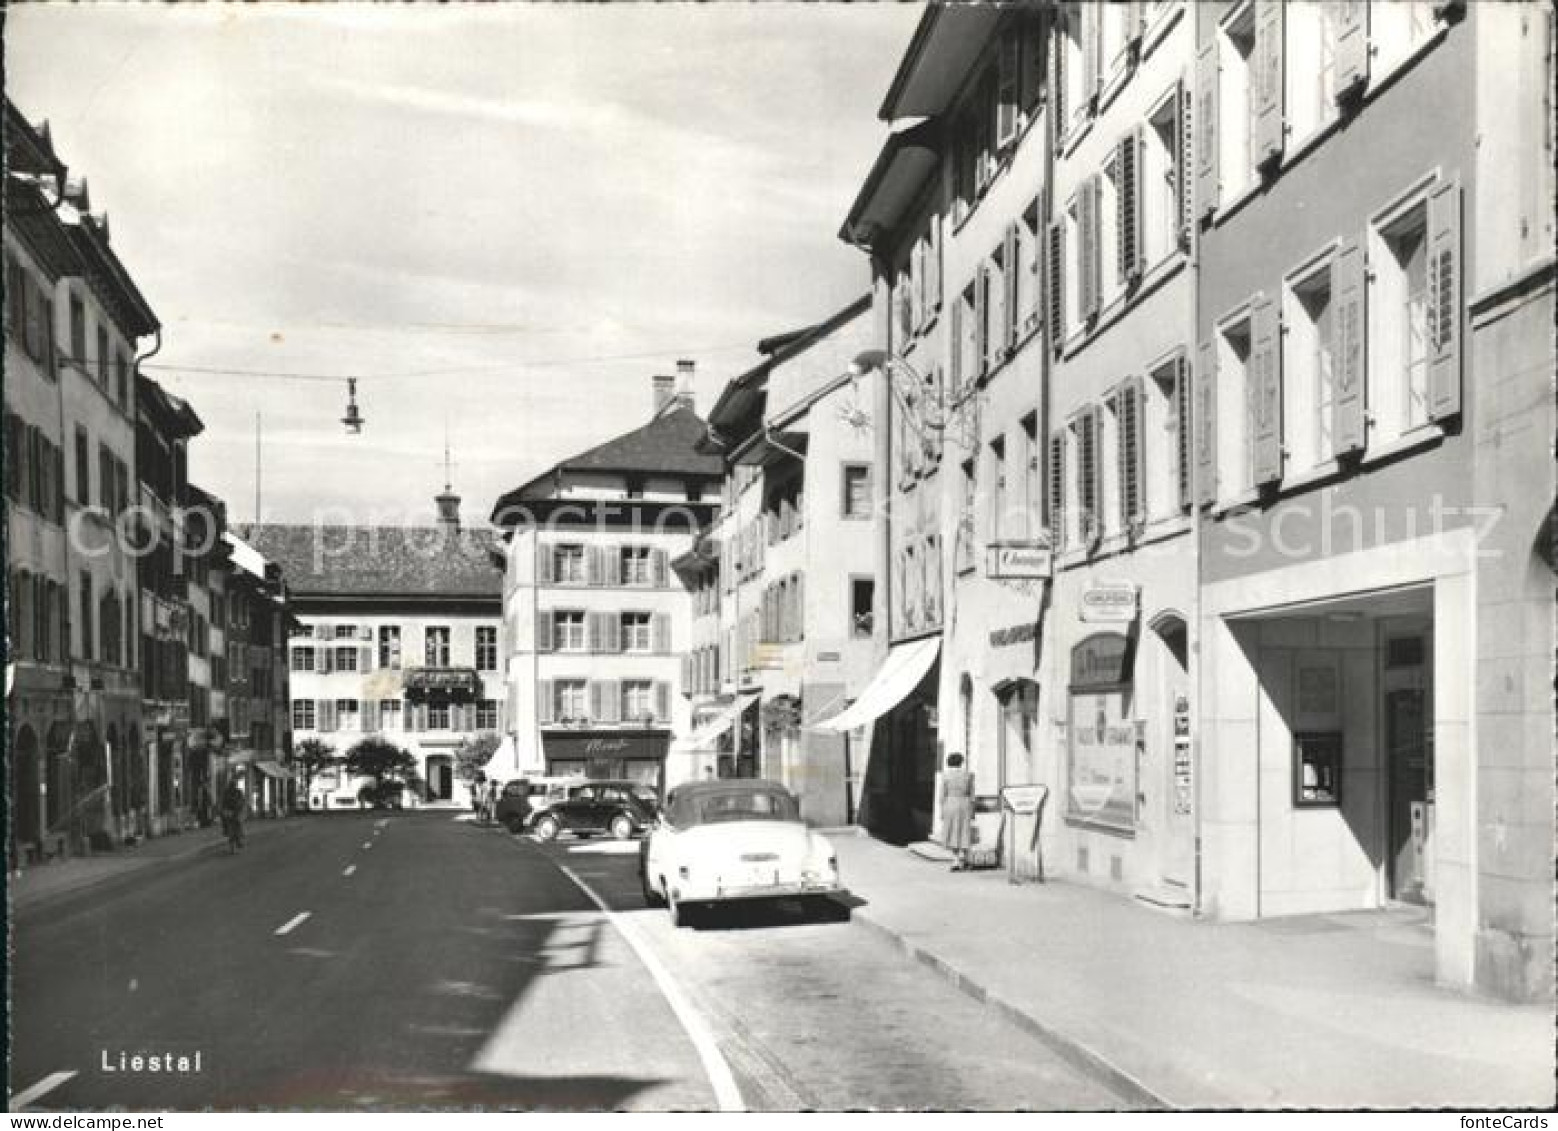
x: 667, y: 445
x: 382, y: 561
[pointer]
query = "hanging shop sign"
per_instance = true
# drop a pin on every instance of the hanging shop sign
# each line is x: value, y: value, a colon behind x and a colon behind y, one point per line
x: 1111, y: 602
x: 1031, y: 560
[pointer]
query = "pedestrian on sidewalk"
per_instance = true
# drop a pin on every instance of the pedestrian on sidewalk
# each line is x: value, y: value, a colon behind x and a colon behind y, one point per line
x: 957, y: 809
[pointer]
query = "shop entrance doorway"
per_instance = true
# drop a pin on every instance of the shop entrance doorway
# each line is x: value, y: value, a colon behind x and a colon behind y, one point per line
x: 1408, y: 737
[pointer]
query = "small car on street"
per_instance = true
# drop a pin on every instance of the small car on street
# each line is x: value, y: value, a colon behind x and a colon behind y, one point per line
x: 523, y: 798
x: 621, y: 808
x: 721, y: 841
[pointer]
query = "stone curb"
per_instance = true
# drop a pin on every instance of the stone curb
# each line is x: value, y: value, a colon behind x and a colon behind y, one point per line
x: 1070, y: 1050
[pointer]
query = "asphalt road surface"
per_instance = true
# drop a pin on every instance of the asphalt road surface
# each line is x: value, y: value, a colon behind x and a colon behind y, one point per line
x: 357, y: 961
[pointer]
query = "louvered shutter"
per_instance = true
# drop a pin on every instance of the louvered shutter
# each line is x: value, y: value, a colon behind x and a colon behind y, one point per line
x: 1444, y: 300
x: 611, y: 703
x: 1184, y: 198
x: 800, y: 606
x: 1129, y: 450
x: 982, y: 320
x: 660, y: 633
x: 544, y: 640
x: 1208, y: 183
x: 1058, y: 110
x: 1206, y: 423
x: 1055, y: 495
x: 1096, y: 424
x: 1128, y: 201
x: 544, y: 571
x: 1182, y: 394
x: 1268, y: 57
x: 1031, y: 31
x: 611, y: 566
x: 594, y: 568
x: 1135, y: 21
x: 1092, y: 247
x: 662, y: 702
x: 545, y: 705
x: 370, y: 716
x: 327, y: 659
x: 1266, y: 388
x: 593, y: 632
x: 365, y: 659
x: 1350, y: 18
x: 933, y: 265
x: 1092, y: 52
x: 326, y: 712
x: 957, y: 348
x: 657, y: 565
x: 1350, y: 356
x: 611, y: 632
x: 1011, y: 298
x: 595, y: 694
x: 1006, y: 91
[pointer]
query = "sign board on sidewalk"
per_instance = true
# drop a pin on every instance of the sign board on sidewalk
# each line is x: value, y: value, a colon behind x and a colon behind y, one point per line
x: 1110, y: 602
x: 1031, y: 560
x: 1024, y: 798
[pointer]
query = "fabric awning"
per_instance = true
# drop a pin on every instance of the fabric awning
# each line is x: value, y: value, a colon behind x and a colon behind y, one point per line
x: 273, y: 769
x: 900, y: 673
x: 705, y: 737
x: 504, y: 760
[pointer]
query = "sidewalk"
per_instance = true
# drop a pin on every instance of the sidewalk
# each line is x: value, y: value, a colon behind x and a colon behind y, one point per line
x: 62, y: 877
x: 1334, y: 1011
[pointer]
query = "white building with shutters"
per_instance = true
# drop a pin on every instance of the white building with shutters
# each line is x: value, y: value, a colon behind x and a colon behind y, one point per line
x: 400, y: 636
x: 598, y: 625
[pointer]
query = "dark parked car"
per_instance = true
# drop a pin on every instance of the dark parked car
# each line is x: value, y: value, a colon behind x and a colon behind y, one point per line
x: 621, y: 808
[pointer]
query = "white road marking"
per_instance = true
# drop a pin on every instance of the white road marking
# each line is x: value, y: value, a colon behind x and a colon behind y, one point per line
x: 606, y: 848
x: 350, y: 868
x: 723, y: 1081
x: 39, y: 1090
x: 293, y: 923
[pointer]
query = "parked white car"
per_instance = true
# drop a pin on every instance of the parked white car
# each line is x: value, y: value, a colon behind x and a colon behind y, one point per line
x: 721, y: 841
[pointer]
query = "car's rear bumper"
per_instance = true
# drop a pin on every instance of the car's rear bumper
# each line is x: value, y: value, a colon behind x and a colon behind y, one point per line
x: 784, y: 890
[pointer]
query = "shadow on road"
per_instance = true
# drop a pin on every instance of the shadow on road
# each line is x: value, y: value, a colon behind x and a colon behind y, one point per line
x: 759, y: 914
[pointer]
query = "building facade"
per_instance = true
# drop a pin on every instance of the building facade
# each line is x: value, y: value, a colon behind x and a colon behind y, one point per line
x: 798, y: 584
x: 1228, y: 355
x: 397, y: 634
x: 597, y: 622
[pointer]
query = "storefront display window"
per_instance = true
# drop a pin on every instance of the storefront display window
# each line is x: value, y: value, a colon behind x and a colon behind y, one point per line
x: 1101, y: 787
x: 1317, y: 769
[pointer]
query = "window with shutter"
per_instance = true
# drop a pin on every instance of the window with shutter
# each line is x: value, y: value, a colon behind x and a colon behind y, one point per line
x: 1351, y: 352
x: 1090, y: 270
x: 1087, y: 475
x: 982, y: 341
x: 1128, y: 203
x: 1444, y: 300
x: 1207, y: 128
x: 1011, y: 301
x: 660, y: 633
x: 1008, y: 65
x: 1092, y: 52
x: 1206, y: 423
x: 1352, y: 47
x: 1055, y: 284
x: 544, y: 641
x: 1182, y: 441
x: 1055, y: 500
x: 1129, y: 406
x: 1268, y: 59
x: 662, y: 703
x: 545, y: 705
x: 1059, y: 108
x: 1266, y: 389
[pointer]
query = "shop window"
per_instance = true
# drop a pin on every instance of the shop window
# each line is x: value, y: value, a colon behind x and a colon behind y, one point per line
x: 1308, y: 388
x: 1397, y: 313
x: 1236, y: 102
x: 1235, y: 430
x: 1317, y: 769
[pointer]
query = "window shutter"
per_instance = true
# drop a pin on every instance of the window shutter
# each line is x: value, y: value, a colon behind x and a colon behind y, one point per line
x: 1096, y: 423
x: 981, y: 320
x: 327, y: 719
x: 662, y: 702
x: 1135, y: 21
x: 1184, y: 162
x: 611, y: 565
x: 545, y: 705
x: 1182, y: 429
x: 593, y: 632
x: 1266, y: 388
x: 365, y: 659
x: 327, y: 659
x: 1012, y: 298
x: 1350, y: 358
x: 1058, y: 110
x: 800, y: 606
x: 1129, y: 204
x: 1132, y: 468
x: 1006, y: 91
x: 1268, y: 59
x: 611, y: 632
x: 1350, y: 18
x: 370, y: 716
x: 657, y: 565
x: 610, y: 702
x: 1444, y: 300
x: 660, y: 633
x: 1031, y: 32
x: 1206, y: 423
x: 544, y: 642
x: 1092, y: 51
x: 1055, y: 496
x: 933, y: 266
x: 596, y: 697
x: 1208, y: 184
x: 543, y: 563
x: 957, y: 348
x: 594, y: 568
x: 1092, y: 247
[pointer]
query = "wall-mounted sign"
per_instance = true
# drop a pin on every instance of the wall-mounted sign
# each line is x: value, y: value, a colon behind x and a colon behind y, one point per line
x: 1031, y: 560
x: 1110, y: 602
x: 1183, y: 796
x: 1014, y: 634
x: 1100, y: 661
x: 438, y: 683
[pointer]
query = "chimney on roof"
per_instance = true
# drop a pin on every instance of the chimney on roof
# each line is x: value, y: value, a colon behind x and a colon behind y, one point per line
x: 684, y: 375
x: 665, y: 390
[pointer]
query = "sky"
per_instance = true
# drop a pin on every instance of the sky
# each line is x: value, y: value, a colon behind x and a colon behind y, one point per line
x: 503, y: 219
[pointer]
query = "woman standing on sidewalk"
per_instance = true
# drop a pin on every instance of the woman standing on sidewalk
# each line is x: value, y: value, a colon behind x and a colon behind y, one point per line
x: 957, y: 808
